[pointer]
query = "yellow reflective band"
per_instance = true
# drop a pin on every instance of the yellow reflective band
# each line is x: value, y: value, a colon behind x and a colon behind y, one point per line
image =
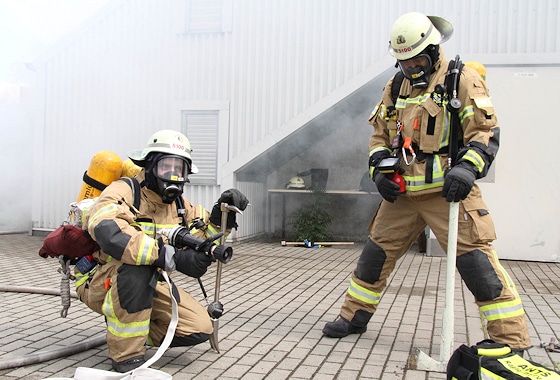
x: 150, y: 228
x: 467, y: 111
x: 117, y: 328
x: 107, y: 306
x: 502, y: 310
x: 103, y: 211
x: 509, y: 282
x: 511, y: 286
x: 128, y: 330
x: 417, y: 183
x: 374, y: 112
x: 145, y: 251
x: 446, y: 130
x: 379, y: 149
x: 473, y: 157
x: 363, y: 294
x: 212, y: 231
x: 498, y: 351
x: 401, y: 103
x: 81, y: 278
x: 147, y: 227
x: 487, y: 375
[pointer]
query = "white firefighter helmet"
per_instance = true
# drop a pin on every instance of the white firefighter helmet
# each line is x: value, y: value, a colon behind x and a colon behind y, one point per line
x: 167, y: 142
x: 296, y: 183
x: 413, y: 32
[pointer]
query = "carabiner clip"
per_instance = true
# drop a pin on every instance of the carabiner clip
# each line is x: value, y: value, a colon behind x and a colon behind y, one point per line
x: 408, y: 145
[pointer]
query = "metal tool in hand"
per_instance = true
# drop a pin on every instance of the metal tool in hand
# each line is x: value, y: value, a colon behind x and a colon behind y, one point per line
x: 418, y: 359
x: 225, y: 208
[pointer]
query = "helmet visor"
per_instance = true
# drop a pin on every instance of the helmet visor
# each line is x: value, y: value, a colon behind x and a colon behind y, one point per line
x: 172, y: 169
x: 416, y: 67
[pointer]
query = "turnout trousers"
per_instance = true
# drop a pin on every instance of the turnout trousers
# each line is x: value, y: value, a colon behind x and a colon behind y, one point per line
x: 138, y: 313
x: 397, y: 225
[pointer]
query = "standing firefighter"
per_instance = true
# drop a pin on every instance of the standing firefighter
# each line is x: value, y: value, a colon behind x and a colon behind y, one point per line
x: 126, y: 286
x: 411, y: 142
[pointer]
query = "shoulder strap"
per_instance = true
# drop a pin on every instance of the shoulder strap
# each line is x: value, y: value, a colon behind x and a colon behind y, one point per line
x: 396, y: 86
x: 181, y: 209
x: 452, y: 84
x: 93, y: 183
x: 135, y: 186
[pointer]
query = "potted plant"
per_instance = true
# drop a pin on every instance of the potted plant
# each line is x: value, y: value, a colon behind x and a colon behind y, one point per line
x: 311, y: 222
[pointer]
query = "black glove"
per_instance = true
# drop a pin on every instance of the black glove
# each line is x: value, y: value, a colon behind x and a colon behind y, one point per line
x: 166, y: 254
x: 232, y: 197
x: 388, y: 189
x: 235, y: 198
x: 458, y: 182
x: 375, y: 159
x: 191, y: 262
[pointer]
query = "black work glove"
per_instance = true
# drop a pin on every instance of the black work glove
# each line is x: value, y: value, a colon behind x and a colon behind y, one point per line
x: 388, y: 189
x: 192, y: 263
x: 166, y: 254
x: 458, y: 182
x: 374, y: 160
x: 232, y: 197
x: 235, y: 198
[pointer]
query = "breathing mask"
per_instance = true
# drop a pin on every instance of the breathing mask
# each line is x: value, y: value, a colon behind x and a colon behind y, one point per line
x: 417, y: 69
x: 167, y: 175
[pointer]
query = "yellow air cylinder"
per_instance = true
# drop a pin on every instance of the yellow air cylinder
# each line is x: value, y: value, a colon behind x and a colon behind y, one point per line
x: 104, y: 168
x: 129, y: 168
x: 478, y: 67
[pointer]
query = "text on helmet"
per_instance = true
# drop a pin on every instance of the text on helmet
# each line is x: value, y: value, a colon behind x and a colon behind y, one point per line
x: 177, y: 146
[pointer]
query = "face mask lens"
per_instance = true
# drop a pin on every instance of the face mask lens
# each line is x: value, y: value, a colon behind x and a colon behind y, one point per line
x: 416, y: 67
x: 171, y: 169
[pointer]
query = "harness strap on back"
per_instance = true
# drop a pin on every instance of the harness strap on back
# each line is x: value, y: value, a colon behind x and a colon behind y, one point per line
x: 93, y: 182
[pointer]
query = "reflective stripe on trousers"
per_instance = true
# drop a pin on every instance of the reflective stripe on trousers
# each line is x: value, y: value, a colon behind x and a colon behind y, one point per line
x: 363, y: 294
x: 123, y: 329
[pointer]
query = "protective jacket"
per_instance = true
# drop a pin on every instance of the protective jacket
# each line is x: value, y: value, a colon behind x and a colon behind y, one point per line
x: 422, y: 116
x: 125, y: 287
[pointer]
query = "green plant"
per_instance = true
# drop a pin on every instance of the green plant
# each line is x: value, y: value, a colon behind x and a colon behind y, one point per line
x: 311, y: 222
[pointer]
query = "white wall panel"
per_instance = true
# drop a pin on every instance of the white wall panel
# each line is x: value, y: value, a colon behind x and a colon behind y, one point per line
x: 113, y: 82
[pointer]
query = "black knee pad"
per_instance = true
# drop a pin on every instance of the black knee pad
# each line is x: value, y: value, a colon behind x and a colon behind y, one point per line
x: 189, y: 340
x: 370, y: 262
x: 479, y: 275
x: 134, y: 290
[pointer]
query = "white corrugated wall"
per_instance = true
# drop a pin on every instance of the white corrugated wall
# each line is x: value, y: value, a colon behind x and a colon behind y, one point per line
x: 120, y: 77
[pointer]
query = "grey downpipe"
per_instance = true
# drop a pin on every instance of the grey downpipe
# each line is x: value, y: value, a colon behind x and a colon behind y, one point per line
x: 42, y: 356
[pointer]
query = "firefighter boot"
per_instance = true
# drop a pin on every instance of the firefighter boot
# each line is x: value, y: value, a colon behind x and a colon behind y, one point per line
x: 342, y: 327
x: 128, y: 364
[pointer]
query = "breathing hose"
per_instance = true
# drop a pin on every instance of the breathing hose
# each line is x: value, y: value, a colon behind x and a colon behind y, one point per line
x: 41, y: 356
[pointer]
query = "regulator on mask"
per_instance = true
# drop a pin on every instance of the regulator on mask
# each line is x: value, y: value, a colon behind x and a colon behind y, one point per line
x: 419, y: 68
x: 166, y: 176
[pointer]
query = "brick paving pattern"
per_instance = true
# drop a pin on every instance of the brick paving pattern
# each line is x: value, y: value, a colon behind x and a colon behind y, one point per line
x: 277, y: 300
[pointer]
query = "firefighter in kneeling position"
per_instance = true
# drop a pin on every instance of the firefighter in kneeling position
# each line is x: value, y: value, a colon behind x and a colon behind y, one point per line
x: 413, y: 132
x: 126, y: 285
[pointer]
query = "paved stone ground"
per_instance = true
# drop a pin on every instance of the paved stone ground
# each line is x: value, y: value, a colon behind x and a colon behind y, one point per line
x: 277, y: 300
